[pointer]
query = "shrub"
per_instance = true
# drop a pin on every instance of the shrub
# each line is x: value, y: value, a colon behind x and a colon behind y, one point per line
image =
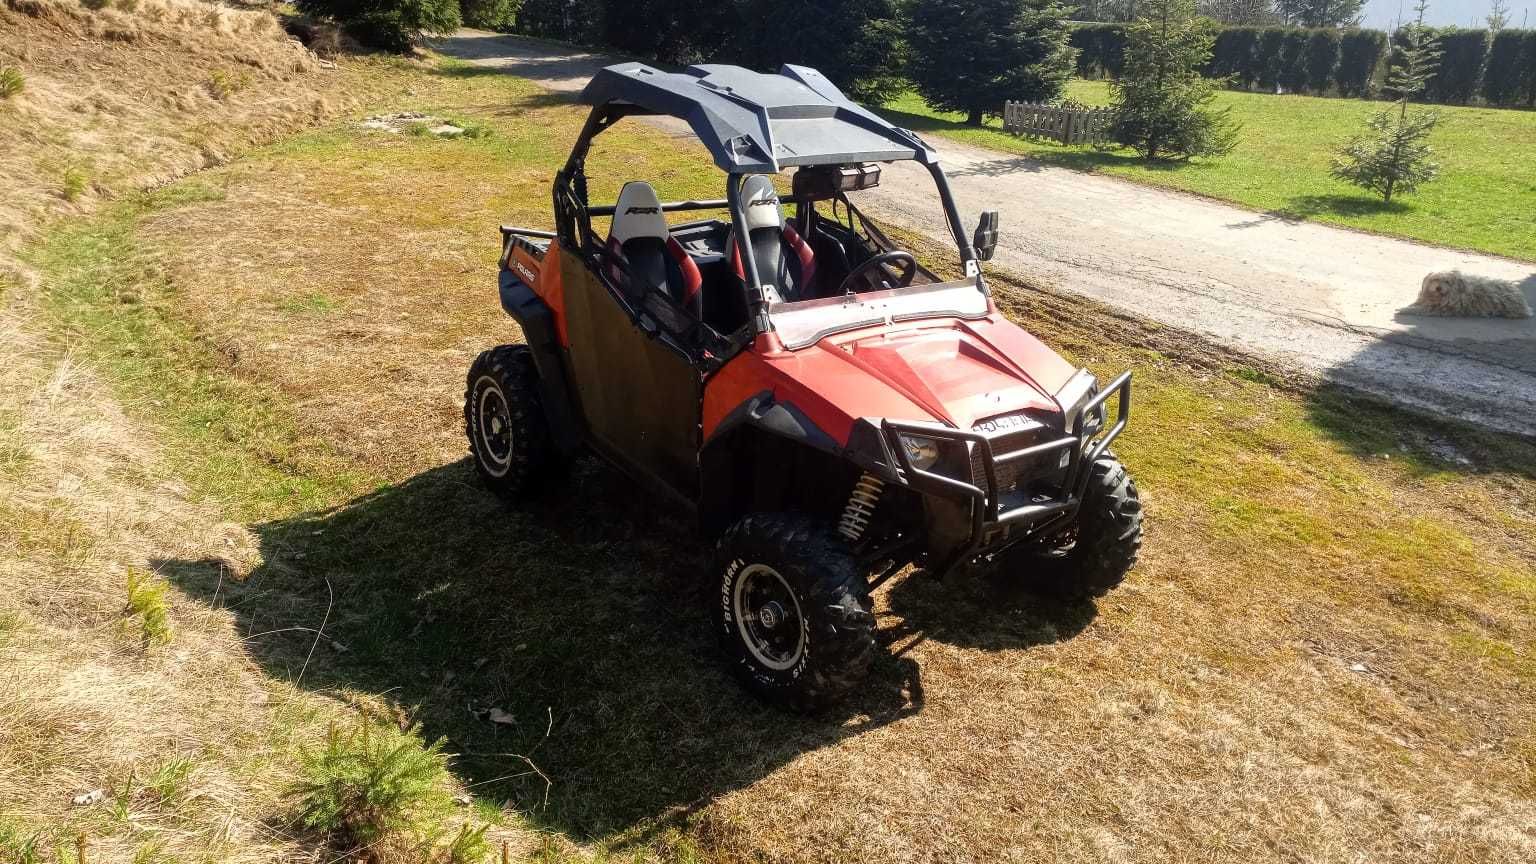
x: 1232, y: 55
x: 73, y: 183
x: 11, y: 81
x: 1322, y: 59
x: 1292, y: 61
x: 1100, y: 49
x: 147, y: 603
x: 372, y: 783
x: 392, y: 25
x: 1528, y: 63
x: 1256, y: 62
x: 1462, y: 55
x: 1503, y: 78
x: 222, y: 84
x: 1268, y: 57
x: 1360, y: 53
x: 95, y: 4
x: 168, y: 783
x: 489, y: 14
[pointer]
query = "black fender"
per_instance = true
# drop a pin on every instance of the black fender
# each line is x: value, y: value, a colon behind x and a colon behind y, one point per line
x: 538, y: 323
x: 767, y: 455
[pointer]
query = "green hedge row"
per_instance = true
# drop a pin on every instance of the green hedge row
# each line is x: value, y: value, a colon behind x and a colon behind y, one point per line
x: 1100, y: 49
x: 1499, y: 69
x: 1510, y: 77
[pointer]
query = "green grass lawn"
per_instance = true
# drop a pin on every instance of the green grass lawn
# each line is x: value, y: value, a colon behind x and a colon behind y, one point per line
x: 1485, y: 199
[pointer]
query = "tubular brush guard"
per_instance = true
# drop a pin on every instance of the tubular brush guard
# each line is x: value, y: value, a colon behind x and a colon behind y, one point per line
x: 1085, y: 447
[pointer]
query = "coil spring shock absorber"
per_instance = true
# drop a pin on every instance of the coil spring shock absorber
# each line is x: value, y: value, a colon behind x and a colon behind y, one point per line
x: 860, y: 507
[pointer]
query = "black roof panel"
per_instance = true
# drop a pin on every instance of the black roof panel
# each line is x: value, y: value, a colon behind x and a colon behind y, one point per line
x: 757, y: 123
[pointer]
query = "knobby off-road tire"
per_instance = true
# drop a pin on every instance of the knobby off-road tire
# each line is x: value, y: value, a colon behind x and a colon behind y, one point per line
x: 1108, y: 537
x: 508, y: 436
x: 816, y: 642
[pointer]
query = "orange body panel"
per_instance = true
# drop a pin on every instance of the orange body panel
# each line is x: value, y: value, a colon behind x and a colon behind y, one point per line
x: 948, y: 371
x: 550, y: 287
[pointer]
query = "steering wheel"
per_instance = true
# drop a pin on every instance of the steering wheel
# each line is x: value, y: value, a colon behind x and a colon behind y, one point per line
x: 903, y: 277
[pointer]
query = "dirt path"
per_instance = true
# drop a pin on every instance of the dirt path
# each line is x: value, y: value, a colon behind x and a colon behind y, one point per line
x: 1320, y: 299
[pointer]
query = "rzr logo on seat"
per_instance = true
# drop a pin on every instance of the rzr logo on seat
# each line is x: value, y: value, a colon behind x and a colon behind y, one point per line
x: 650, y: 211
x: 763, y: 201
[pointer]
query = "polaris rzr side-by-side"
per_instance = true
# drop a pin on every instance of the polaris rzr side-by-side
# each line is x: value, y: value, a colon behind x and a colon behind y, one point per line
x: 830, y: 409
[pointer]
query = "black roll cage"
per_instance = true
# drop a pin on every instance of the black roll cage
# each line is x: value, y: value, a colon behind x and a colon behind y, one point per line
x: 574, y: 212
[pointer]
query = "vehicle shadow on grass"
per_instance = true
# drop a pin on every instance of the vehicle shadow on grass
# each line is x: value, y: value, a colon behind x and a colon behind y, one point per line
x: 993, y: 610
x: 582, y: 616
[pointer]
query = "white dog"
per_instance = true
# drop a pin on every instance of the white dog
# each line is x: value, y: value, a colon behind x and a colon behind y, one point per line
x: 1459, y: 294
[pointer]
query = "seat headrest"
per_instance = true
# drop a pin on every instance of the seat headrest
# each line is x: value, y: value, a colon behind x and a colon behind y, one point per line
x: 637, y: 214
x: 762, y: 203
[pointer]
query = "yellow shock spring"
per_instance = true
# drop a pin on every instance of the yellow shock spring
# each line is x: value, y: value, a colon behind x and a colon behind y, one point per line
x: 860, y: 507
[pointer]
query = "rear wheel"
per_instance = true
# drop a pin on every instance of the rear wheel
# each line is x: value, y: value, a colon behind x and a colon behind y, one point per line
x: 1105, y: 542
x: 792, y: 612
x: 504, y: 420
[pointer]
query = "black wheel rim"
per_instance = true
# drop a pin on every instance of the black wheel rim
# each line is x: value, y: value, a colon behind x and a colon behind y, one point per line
x: 495, y: 428
x: 768, y: 617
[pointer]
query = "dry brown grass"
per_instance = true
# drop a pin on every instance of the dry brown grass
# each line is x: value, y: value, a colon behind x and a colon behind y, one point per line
x: 84, y: 704
x: 1324, y: 655
x: 136, y: 94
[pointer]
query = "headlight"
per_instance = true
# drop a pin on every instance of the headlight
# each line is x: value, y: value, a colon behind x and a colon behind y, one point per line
x: 922, y: 451
x: 1095, y: 419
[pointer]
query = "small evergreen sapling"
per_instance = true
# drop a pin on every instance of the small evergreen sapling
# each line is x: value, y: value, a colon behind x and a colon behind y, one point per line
x: 1161, y: 101
x: 1393, y: 156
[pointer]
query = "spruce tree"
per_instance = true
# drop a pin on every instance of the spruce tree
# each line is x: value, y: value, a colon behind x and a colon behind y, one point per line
x: 1161, y: 101
x: 855, y: 43
x: 1393, y: 156
x: 1320, y: 13
x: 971, y: 56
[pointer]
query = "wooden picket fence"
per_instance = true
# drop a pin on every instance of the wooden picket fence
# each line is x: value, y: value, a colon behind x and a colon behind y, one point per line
x: 1067, y: 124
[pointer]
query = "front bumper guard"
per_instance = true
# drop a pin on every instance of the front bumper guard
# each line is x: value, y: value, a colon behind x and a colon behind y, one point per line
x: 986, y: 511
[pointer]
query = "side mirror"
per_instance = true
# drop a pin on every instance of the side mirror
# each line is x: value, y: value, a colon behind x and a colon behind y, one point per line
x: 985, y: 241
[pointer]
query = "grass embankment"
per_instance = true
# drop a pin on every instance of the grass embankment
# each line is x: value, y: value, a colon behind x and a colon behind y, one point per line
x: 1324, y: 653
x: 114, y: 96
x: 1485, y: 199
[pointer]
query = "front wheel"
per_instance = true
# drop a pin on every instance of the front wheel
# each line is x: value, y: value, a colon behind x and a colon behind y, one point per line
x: 793, y: 611
x: 1104, y: 544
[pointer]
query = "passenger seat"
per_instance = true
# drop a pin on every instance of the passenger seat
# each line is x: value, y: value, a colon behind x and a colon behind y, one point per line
x: 639, y: 238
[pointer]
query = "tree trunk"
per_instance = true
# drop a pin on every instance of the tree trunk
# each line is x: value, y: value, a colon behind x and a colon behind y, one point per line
x: 973, y: 118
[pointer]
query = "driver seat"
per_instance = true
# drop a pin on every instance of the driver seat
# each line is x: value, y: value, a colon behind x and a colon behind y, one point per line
x: 639, y: 238
x: 784, y: 259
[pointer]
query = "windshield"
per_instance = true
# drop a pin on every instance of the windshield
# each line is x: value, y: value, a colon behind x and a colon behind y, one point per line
x: 866, y: 274
x: 808, y: 321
